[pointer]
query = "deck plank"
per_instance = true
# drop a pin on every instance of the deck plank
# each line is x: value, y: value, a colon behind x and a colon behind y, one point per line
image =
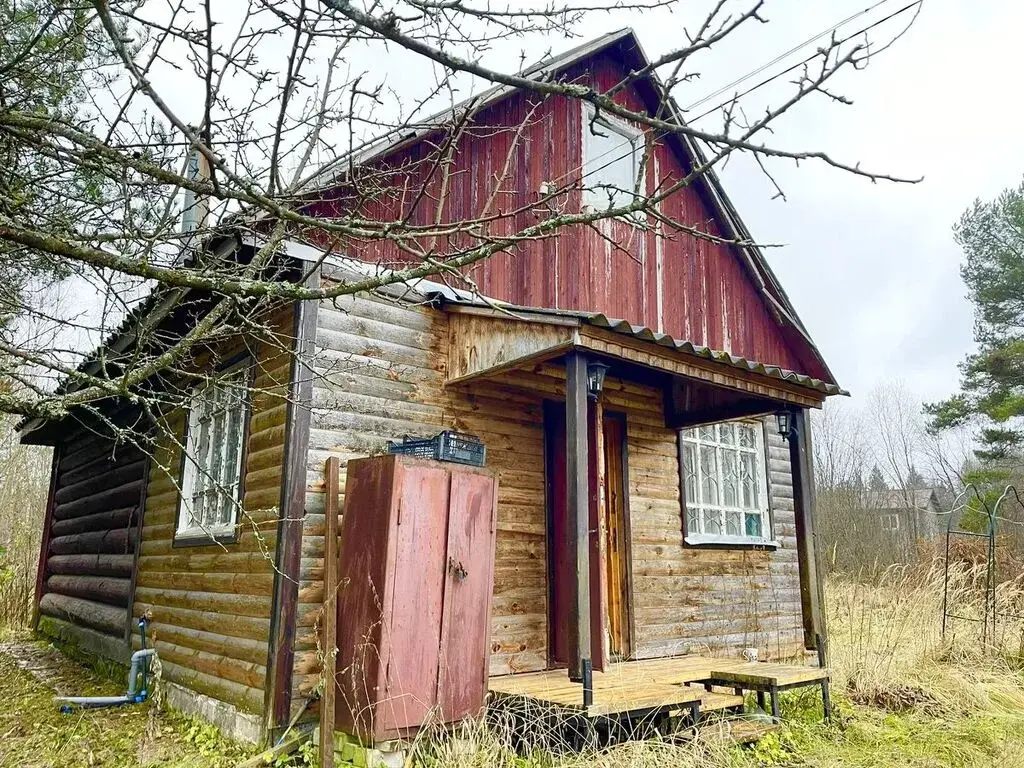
x: 713, y: 701
x: 764, y: 674
x: 654, y: 683
x: 614, y: 693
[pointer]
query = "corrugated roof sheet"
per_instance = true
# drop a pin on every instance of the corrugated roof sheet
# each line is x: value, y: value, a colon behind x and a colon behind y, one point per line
x: 719, y: 356
x: 643, y: 333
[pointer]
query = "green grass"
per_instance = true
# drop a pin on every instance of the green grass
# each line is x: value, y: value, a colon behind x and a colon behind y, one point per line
x: 34, y: 734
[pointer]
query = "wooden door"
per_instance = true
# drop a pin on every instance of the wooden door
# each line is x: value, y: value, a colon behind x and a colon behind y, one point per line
x: 469, y: 582
x: 364, y: 597
x: 561, y: 571
x: 615, y: 515
x: 410, y: 643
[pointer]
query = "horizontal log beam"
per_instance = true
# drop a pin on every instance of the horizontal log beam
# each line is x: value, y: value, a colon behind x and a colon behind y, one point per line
x: 104, y: 618
x: 102, y: 589
x: 97, y: 565
x: 68, y: 475
x: 112, y: 498
x: 100, y: 479
x: 100, y: 521
x: 120, y: 541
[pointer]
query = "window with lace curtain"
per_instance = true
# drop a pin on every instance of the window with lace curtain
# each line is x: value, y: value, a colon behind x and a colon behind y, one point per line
x: 725, y: 484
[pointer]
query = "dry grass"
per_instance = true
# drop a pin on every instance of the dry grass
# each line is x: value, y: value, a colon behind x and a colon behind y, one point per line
x: 906, y: 696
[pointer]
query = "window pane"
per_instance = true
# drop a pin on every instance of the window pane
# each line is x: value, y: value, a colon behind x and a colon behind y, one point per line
x: 692, y: 520
x: 724, y: 476
x: 611, y: 165
x: 749, y: 481
x: 709, y: 475
x: 214, y: 447
x: 690, y: 459
x: 730, y: 478
x: 726, y: 434
x: 712, y: 522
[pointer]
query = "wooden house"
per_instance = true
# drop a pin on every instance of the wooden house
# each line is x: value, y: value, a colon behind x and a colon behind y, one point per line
x: 664, y: 516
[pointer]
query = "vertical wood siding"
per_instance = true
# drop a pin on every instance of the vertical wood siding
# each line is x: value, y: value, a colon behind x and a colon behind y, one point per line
x: 94, y: 533
x: 666, y: 278
x: 211, y: 604
x: 380, y: 370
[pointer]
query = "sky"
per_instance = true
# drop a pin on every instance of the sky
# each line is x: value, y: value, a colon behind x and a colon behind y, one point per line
x: 872, y: 268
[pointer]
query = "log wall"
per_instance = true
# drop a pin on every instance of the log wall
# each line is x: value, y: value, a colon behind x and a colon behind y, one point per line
x: 380, y: 374
x: 211, y: 604
x: 94, y: 532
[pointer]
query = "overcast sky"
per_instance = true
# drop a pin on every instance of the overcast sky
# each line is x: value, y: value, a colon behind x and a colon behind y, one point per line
x: 872, y: 268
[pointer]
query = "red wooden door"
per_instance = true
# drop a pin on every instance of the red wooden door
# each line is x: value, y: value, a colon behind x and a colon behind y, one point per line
x: 364, y: 596
x: 469, y: 578
x: 411, y: 644
x: 561, y: 573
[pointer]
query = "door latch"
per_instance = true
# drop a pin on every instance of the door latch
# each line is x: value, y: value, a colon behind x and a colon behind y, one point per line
x: 458, y: 571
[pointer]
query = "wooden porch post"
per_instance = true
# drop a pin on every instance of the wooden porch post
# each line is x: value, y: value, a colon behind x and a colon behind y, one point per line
x: 802, y: 463
x: 578, y: 507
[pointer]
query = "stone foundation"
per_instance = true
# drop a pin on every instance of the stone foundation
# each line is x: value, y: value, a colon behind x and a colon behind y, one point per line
x: 349, y: 752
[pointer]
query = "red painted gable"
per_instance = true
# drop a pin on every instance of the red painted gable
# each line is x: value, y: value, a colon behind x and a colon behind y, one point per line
x: 663, y: 277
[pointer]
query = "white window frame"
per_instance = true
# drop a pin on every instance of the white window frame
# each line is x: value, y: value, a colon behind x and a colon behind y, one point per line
x: 692, y: 436
x: 196, y: 480
x: 596, y: 199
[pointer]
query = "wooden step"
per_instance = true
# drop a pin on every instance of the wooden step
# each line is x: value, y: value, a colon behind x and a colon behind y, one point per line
x: 713, y: 701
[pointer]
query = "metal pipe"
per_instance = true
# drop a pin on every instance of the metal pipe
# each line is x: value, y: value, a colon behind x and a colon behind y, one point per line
x: 588, y: 682
x: 136, y: 694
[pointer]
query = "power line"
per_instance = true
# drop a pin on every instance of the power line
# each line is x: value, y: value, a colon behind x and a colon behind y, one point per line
x: 782, y: 56
x: 764, y: 82
x: 800, y: 63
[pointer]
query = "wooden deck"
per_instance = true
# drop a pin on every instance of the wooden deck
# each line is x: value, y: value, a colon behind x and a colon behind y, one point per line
x: 657, y: 684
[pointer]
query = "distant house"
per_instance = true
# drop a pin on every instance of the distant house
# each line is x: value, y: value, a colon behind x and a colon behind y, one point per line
x: 901, y: 518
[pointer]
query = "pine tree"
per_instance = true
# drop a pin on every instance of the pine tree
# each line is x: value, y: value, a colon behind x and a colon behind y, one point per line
x: 914, y: 480
x: 992, y: 237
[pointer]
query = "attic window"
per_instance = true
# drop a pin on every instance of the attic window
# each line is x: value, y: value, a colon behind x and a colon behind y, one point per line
x: 211, y: 475
x: 612, y: 161
x: 725, y: 484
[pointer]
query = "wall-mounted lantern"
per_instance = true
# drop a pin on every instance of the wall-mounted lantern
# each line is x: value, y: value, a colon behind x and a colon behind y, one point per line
x: 595, y: 378
x: 784, y: 421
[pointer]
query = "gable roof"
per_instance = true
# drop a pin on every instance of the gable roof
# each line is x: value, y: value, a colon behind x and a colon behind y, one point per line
x: 899, y: 499
x: 627, y: 45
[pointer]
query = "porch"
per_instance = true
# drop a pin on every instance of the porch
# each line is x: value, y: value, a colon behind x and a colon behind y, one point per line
x: 689, y: 686
x: 626, y: 576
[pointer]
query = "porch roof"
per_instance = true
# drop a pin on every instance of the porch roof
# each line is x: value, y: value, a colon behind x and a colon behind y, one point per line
x: 490, y: 337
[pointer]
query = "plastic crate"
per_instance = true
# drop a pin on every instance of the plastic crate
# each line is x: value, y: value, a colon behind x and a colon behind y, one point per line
x: 455, y: 447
